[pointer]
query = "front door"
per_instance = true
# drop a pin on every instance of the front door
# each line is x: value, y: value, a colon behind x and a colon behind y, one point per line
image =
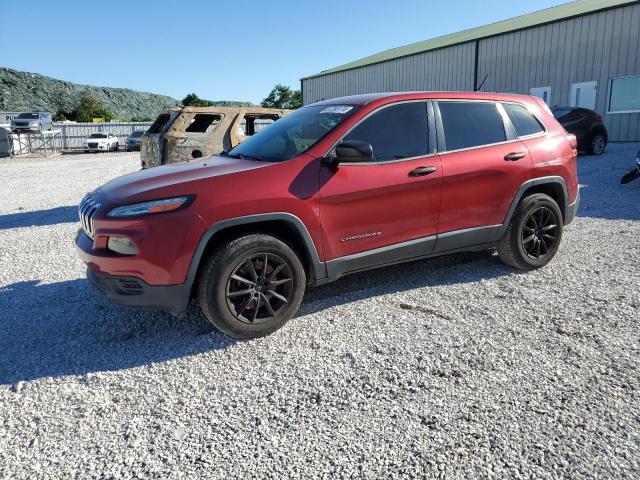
x: 542, y: 92
x: 364, y: 206
x: 583, y: 95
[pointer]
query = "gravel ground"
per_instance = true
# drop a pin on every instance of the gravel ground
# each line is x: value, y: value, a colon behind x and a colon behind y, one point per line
x: 457, y: 367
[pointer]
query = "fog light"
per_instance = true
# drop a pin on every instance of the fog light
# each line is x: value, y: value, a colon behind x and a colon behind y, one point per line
x: 121, y: 245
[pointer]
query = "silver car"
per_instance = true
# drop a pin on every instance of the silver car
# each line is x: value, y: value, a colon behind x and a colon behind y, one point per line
x: 32, y: 122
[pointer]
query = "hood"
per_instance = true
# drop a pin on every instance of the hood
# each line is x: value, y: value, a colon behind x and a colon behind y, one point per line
x: 98, y: 140
x: 179, y: 178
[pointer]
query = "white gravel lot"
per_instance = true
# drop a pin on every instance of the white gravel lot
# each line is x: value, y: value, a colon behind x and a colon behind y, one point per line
x: 457, y: 367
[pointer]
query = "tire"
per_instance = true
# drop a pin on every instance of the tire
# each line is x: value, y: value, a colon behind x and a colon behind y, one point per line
x: 117, y: 147
x: 230, y: 304
x: 535, y: 230
x: 597, y: 144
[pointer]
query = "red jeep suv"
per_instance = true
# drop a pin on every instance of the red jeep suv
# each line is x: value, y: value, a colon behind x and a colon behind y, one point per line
x: 336, y: 187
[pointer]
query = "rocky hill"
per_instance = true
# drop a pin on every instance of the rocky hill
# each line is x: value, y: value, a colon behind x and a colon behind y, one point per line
x: 24, y: 91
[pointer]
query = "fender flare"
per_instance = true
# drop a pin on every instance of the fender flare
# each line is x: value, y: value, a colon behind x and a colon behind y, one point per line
x: 318, y: 268
x: 527, y: 185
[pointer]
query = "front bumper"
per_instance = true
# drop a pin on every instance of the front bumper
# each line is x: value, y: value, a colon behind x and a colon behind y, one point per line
x: 572, y: 209
x: 101, y: 147
x: 133, y: 292
x: 25, y: 128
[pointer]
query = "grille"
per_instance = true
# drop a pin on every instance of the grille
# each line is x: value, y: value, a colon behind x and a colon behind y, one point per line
x: 87, y: 210
x: 92, y: 145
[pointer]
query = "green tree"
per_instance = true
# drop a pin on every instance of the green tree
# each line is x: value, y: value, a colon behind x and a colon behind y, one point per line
x: 90, y: 108
x: 140, y: 118
x: 283, y: 97
x: 193, y: 100
x: 60, y: 116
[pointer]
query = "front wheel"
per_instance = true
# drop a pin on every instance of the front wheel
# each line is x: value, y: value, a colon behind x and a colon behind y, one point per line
x: 534, y: 233
x: 251, y: 286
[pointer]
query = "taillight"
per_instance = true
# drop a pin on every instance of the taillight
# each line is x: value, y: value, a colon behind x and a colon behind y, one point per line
x: 597, y: 117
x: 572, y: 140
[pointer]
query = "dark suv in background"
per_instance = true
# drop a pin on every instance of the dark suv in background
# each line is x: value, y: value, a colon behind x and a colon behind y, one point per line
x: 586, y: 125
x: 335, y: 187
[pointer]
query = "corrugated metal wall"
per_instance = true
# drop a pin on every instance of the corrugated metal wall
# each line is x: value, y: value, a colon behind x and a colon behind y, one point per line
x: 599, y: 46
x: 447, y: 69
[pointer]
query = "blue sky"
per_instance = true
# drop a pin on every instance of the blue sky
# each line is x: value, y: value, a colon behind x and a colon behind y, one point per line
x: 222, y: 50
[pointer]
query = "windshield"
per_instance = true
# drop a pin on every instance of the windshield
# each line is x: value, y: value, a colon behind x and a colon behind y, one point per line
x: 294, y: 134
x: 98, y: 135
x: 137, y: 134
x: 28, y: 115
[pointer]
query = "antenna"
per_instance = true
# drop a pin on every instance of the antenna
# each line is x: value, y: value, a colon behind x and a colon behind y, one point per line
x: 482, y: 83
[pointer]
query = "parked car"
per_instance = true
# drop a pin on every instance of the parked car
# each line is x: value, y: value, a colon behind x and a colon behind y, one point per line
x: 101, y: 142
x: 586, y: 125
x: 32, y: 122
x: 193, y: 132
x: 336, y: 187
x: 133, y: 141
x: 634, y: 173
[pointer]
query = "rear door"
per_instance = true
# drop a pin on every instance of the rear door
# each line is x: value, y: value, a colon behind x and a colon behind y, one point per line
x: 483, y: 164
x: 364, y: 206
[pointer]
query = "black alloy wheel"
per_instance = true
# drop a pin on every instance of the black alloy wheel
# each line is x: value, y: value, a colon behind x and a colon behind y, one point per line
x: 539, y: 233
x: 259, y: 288
x: 251, y: 285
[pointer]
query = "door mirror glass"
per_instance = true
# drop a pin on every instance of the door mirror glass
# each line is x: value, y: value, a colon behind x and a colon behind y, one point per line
x: 353, y: 151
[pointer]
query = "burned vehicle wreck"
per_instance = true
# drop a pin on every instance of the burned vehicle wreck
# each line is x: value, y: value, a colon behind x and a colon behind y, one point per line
x: 181, y: 134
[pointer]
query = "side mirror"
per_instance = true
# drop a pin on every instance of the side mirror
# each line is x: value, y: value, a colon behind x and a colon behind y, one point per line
x: 353, y: 151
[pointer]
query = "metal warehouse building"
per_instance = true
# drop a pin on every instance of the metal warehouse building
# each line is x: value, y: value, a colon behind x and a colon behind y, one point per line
x: 585, y: 53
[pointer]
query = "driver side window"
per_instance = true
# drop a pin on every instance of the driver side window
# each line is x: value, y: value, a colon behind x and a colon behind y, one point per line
x: 395, y: 132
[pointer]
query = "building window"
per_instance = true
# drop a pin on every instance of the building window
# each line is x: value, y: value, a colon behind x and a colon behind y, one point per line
x: 624, y: 94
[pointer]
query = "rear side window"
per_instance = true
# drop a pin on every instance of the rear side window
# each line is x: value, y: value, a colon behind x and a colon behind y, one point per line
x: 395, y: 132
x: 203, y: 123
x: 471, y: 124
x: 523, y: 121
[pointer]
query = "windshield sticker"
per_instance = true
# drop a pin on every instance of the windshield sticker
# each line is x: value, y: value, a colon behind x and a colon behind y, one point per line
x: 341, y: 109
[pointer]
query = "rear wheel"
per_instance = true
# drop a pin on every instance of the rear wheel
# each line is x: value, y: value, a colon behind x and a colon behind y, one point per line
x: 598, y: 144
x: 534, y: 233
x: 251, y: 286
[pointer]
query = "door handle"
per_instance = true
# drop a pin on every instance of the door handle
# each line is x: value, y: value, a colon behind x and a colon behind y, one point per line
x: 421, y: 171
x: 513, y: 156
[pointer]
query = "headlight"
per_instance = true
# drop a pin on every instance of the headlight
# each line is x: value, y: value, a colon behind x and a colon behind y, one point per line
x: 155, y: 206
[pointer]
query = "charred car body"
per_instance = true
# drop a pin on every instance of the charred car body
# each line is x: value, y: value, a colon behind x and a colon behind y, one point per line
x: 192, y: 132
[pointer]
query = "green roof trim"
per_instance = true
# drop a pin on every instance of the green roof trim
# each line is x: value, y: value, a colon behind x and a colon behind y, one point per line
x: 541, y: 17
